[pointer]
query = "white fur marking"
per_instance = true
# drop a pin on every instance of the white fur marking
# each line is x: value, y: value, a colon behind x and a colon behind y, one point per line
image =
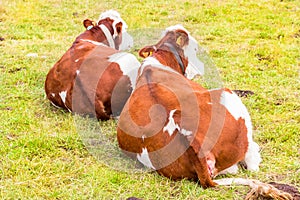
x: 52, y: 94
x: 186, y: 132
x: 114, y: 15
x: 56, y: 106
x: 93, y: 42
x: 171, y: 126
x: 77, y: 72
x: 63, y: 96
x: 252, y: 157
x: 231, y: 170
x: 128, y: 64
x: 174, y: 28
x: 233, y: 104
x: 238, y: 110
x: 76, y: 60
x: 145, y: 159
x: 108, y: 36
x: 195, y: 66
x: 155, y: 63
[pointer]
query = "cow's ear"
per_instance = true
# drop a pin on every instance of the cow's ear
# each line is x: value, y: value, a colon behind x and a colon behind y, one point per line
x: 119, y: 27
x: 146, y: 51
x: 88, y: 24
x: 182, y: 38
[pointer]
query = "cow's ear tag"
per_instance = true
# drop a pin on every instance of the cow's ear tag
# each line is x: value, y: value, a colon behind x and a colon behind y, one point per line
x: 147, y: 54
x: 178, y: 41
x: 89, y: 27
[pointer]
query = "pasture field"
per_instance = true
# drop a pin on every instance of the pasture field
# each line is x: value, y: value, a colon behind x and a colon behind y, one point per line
x: 254, y: 44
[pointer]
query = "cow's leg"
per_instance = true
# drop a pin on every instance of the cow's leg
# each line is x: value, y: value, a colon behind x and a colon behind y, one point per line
x: 101, y: 112
x: 211, y: 164
x: 201, y: 167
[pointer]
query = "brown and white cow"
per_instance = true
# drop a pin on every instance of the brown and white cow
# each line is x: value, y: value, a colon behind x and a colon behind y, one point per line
x: 176, y: 127
x: 93, y: 77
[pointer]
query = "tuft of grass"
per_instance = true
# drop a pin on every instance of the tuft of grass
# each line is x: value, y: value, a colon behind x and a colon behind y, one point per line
x: 255, y: 46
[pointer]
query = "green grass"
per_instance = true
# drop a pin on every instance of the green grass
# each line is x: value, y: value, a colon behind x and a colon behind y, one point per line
x: 254, y: 44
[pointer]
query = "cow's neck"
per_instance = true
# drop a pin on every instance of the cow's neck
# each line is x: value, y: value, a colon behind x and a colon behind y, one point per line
x: 99, y: 36
x: 166, y: 57
x: 176, y: 54
x: 107, y: 35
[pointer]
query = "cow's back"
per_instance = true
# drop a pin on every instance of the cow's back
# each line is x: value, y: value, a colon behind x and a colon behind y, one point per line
x: 101, y: 86
x: 92, y: 79
x: 60, y: 79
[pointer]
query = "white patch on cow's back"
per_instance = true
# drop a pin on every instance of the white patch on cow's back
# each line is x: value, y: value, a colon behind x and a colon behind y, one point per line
x: 171, y: 125
x: 63, y: 96
x: 128, y: 63
x: 233, y: 104
x: 145, y: 159
x: 237, y: 109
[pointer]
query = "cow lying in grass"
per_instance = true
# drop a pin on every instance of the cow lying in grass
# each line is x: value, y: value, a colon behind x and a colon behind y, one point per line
x: 180, y: 129
x: 93, y: 77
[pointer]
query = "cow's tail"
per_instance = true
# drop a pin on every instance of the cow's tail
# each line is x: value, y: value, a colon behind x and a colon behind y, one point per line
x: 258, y: 189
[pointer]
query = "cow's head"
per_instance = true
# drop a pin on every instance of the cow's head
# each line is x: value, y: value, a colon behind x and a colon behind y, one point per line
x: 195, y: 66
x: 169, y: 50
x: 114, y: 28
x: 187, y: 43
